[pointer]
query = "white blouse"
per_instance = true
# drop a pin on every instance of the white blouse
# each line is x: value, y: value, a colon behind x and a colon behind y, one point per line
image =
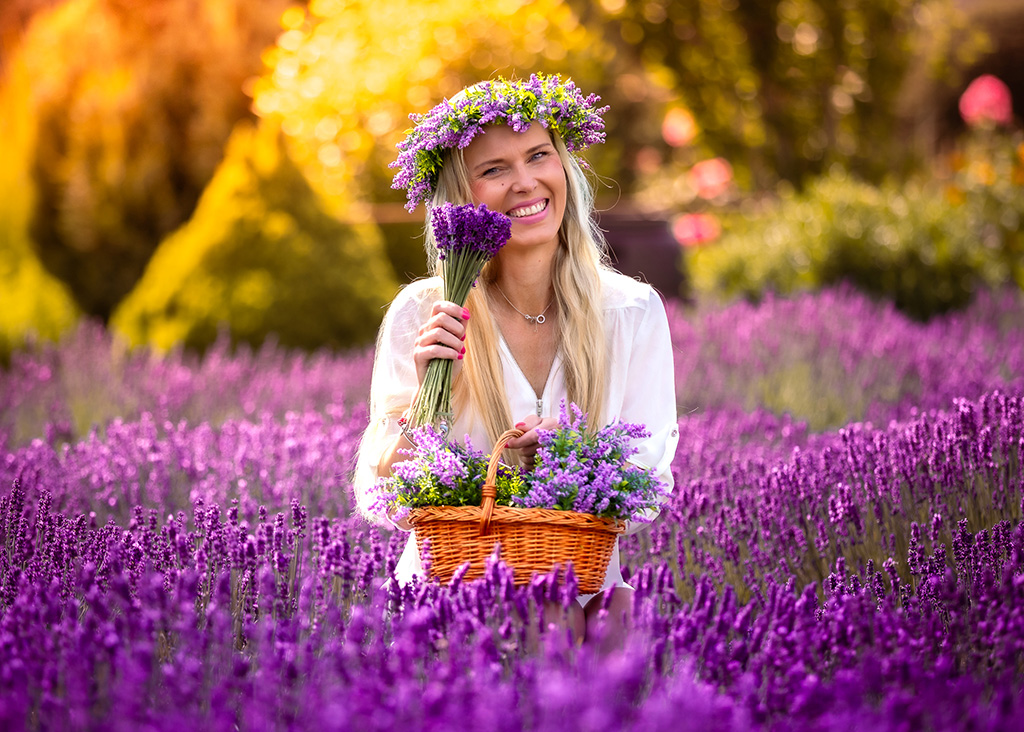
x: 640, y: 388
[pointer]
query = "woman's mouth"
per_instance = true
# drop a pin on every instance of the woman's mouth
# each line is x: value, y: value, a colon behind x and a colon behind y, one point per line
x: 530, y: 210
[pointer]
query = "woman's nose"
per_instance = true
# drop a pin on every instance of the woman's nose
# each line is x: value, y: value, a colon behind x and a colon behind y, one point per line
x: 523, y: 179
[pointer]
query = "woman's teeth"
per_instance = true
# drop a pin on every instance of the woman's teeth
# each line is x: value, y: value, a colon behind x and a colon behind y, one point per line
x: 518, y: 213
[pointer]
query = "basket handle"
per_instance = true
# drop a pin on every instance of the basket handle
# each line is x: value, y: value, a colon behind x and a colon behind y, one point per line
x: 490, y: 489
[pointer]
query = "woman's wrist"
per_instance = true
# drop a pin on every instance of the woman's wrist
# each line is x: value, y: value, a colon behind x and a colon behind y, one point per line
x: 405, y: 429
x: 402, y: 441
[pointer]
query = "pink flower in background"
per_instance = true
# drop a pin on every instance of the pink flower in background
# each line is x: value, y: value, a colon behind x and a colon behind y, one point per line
x: 987, y: 101
x: 648, y: 160
x: 694, y: 229
x: 711, y: 178
x: 678, y: 128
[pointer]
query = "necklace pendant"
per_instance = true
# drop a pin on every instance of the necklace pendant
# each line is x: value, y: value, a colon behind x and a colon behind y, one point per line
x: 535, y: 319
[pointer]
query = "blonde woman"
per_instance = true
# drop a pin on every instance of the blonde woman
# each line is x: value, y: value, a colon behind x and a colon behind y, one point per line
x: 548, y: 321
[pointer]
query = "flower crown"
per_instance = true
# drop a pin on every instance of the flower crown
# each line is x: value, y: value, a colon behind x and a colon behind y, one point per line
x: 454, y: 123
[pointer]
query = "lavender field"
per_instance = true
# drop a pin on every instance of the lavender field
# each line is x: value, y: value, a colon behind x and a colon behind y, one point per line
x: 844, y: 548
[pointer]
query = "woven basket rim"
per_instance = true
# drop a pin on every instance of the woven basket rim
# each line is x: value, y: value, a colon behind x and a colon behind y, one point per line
x: 514, y: 515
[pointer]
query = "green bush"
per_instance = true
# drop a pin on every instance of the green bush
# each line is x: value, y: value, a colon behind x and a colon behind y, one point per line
x: 261, y: 255
x: 912, y: 245
x: 988, y: 178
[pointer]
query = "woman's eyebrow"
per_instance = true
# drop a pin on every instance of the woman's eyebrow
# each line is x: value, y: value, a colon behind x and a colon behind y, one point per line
x: 501, y: 159
x: 487, y: 163
x: 538, y: 147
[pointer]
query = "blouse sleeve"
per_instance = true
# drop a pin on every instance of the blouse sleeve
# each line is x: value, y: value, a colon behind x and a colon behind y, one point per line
x: 650, y: 396
x: 392, y: 388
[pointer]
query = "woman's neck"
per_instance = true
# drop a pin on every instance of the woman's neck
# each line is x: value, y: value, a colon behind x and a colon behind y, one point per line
x: 526, y: 280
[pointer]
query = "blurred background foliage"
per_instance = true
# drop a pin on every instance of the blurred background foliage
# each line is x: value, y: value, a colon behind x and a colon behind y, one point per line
x: 909, y: 244
x: 131, y: 105
x: 33, y: 303
x: 404, y: 57
x: 784, y: 89
x: 789, y: 143
x: 262, y: 254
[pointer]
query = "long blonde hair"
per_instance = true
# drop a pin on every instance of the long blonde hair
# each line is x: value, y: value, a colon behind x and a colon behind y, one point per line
x: 580, y: 258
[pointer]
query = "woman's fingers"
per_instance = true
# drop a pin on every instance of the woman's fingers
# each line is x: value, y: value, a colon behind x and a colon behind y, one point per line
x: 528, y: 443
x: 445, y: 327
x: 529, y: 425
x: 442, y: 336
x: 529, y: 422
x: 450, y: 317
x: 439, y: 337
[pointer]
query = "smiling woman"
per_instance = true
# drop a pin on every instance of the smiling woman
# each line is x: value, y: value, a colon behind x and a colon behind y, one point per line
x: 549, y: 321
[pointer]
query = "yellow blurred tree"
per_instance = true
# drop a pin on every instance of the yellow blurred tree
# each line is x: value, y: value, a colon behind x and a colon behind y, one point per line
x: 132, y: 104
x: 261, y: 256
x: 345, y: 75
x: 32, y: 302
x: 15, y: 15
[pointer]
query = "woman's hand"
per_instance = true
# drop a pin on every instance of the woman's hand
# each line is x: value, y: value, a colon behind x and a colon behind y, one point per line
x: 402, y: 524
x: 442, y: 336
x: 530, y: 441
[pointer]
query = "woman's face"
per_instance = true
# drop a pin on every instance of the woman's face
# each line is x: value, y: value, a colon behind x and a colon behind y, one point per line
x: 519, y: 174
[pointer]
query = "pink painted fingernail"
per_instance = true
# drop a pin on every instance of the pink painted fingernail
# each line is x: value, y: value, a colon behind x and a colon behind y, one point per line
x: 465, y: 314
x: 463, y: 351
x: 459, y: 357
x: 521, y: 425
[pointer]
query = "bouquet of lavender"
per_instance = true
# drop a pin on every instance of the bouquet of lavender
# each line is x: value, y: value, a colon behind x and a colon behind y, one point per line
x: 577, y: 471
x: 466, y: 238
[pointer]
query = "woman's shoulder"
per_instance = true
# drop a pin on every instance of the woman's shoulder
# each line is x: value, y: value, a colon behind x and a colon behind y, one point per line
x: 619, y: 292
x: 417, y: 293
x: 411, y: 306
x: 423, y: 288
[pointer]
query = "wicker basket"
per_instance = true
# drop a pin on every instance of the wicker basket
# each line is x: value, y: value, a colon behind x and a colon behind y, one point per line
x: 533, y: 540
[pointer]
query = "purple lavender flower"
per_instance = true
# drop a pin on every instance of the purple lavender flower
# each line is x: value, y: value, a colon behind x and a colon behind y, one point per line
x: 436, y: 473
x: 461, y: 228
x: 785, y: 586
x: 576, y: 471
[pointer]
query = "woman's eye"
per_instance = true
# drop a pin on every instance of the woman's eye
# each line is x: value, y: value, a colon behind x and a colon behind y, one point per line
x: 540, y: 155
x: 489, y: 171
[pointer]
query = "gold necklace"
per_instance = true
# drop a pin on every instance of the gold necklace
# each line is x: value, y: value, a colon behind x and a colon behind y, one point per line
x: 536, y: 319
